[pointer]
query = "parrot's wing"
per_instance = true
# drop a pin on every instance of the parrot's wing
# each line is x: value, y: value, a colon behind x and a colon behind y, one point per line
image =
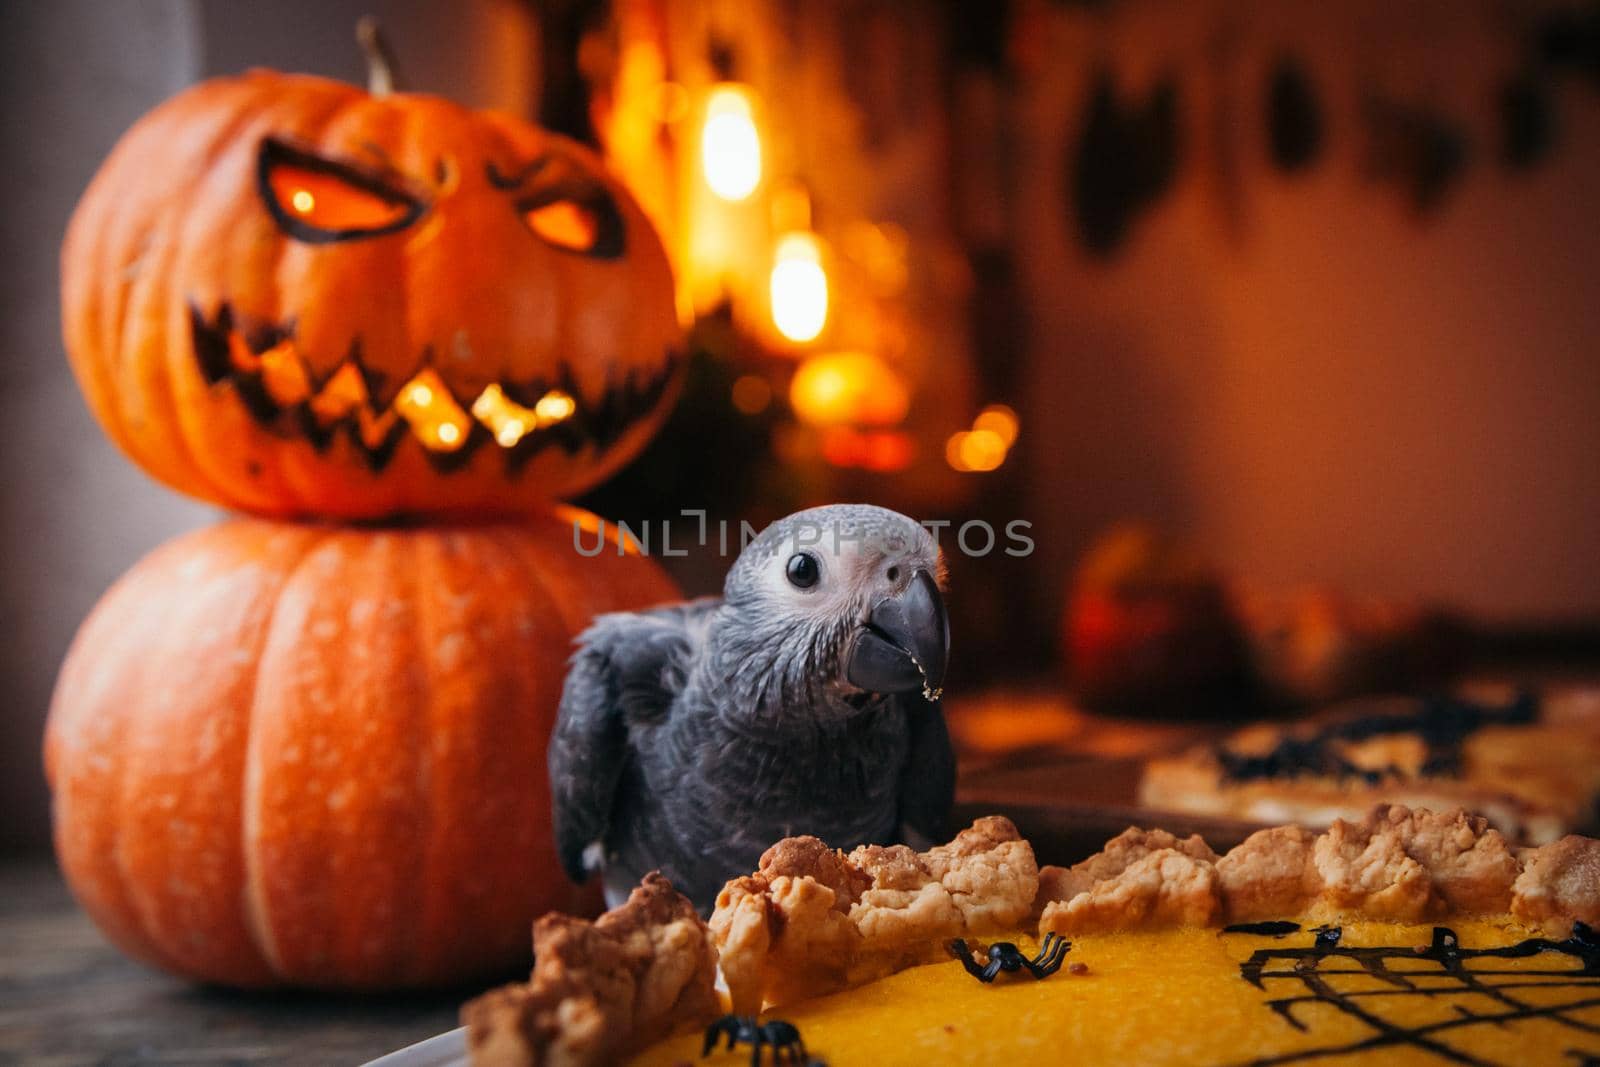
x: 628, y: 668
x: 928, y: 783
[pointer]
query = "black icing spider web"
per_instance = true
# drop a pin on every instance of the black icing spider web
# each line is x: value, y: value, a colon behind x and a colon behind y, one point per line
x: 1318, y: 968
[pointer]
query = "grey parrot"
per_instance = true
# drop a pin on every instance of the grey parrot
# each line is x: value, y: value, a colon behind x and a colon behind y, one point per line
x: 804, y: 701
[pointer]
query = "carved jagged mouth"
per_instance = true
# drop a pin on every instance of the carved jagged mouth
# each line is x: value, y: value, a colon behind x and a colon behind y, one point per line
x: 282, y: 392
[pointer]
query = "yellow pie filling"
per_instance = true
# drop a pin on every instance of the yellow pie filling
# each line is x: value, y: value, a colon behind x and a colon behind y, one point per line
x: 1474, y: 992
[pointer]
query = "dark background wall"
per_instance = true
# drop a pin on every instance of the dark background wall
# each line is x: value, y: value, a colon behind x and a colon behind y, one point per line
x: 1301, y: 373
x: 1308, y: 373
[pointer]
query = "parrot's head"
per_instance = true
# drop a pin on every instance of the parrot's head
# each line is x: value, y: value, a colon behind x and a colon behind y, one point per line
x: 847, y: 596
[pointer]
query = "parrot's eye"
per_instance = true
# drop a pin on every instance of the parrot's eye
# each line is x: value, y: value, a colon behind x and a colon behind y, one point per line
x: 803, y: 570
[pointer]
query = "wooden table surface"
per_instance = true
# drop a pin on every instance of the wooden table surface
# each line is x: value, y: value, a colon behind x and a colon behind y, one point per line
x: 68, y: 997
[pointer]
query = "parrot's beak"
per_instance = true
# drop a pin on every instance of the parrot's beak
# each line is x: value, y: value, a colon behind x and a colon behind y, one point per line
x: 904, y: 644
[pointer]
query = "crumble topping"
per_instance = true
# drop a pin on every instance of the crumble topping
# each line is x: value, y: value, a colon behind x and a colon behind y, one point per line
x: 812, y: 918
x: 1395, y: 864
x: 1560, y: 881
x: 601, y: 990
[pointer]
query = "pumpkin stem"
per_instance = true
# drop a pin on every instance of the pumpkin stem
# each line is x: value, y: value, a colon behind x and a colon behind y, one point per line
x: 381, y: 77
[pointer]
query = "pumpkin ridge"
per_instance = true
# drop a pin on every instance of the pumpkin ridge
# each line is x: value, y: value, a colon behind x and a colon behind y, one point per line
x: 253, y: 901
x: 232, y: 492
x: 135, y: 937
x: 529, y: 564
x: 425, y: 568
x: 423, y: 591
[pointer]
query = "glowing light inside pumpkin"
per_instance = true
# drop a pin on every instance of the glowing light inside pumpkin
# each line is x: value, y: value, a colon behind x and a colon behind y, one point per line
x: 799, y: 288
x: 564, y: 224
x: 425, y: 402
x: 433, y: 413
x: 284, y: 374
x: 554, y: 406
x: 331, y: 201
x: 730, y: 144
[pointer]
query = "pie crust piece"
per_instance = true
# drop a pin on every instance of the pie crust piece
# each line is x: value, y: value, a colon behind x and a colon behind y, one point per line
x: 813, y: 919
x: 601, y: 990
x: 1395, y: 865
x: 1535, y: 780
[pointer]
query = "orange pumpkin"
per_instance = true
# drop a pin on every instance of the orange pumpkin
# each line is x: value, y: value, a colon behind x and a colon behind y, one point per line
x: 300, y: 755
x: 293, y: 297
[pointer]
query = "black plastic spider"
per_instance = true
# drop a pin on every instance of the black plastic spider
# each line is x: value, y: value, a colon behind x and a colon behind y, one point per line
x: 783, y: 1038
x: 1004, y: 956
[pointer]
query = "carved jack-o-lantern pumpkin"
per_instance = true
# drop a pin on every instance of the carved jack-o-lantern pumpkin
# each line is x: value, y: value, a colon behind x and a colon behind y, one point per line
x: 290, y: 296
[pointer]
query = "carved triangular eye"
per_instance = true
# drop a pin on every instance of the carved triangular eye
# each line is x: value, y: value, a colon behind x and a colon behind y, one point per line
x: 319, y: 200
x: 575, y: 216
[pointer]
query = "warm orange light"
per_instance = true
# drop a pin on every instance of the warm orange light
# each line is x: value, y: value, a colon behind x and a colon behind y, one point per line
x: 564, y: 224
x: 339, y: 395
x: 884, y: 451
x: 284, y: 374
x: 848, y: 388
x: 1000, y: 421
x: 752, y: 394
x: 670, y: 103
x: 799, y: 287
x: 984, y: 447
x: 508, y: 420
x: 554, y: 406
x: 975, y: 450
x: 433, y: 413
x: 331, y: 202
x: 730, y: 144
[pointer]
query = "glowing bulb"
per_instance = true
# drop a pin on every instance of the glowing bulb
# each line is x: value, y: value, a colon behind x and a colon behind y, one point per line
x: 998, y: 420
x: 302, y: 201
x: 449, y: 433
x: 421, y: 395
x: 848, y: 387
x: 730, y: 144
x: 799, y: 288
x: 982, y: 450
x: 510, y: 432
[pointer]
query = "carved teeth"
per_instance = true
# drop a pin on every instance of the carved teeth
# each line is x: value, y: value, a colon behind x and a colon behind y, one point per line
x: 283, y: 392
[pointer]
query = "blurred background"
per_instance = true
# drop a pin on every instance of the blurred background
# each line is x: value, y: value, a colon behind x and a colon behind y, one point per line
x: 1279, y: 323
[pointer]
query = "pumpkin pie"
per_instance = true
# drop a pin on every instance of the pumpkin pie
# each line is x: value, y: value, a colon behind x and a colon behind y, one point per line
x: 1404, y: 937
x: 1530, y: 764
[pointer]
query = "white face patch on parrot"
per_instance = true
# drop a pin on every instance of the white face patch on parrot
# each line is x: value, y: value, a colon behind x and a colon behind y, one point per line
x: 852, y: 572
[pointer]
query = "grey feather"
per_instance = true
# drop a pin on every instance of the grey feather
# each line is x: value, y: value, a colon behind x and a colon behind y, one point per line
x: 692, y: 737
